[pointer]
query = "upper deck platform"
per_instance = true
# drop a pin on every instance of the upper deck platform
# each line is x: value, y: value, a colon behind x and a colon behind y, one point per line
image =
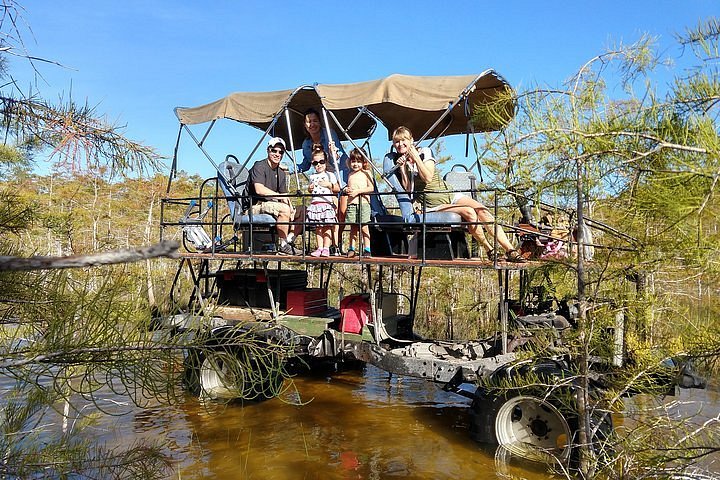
x: 397, y: 260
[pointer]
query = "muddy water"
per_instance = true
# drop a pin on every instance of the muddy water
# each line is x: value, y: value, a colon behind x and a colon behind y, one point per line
x: 359, y: 424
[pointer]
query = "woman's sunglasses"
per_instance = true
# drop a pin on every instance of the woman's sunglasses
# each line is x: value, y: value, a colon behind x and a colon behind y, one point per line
x: 320, y: 162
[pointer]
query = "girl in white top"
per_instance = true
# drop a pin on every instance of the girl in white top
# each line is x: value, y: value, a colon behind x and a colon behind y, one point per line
x: 321, y: 211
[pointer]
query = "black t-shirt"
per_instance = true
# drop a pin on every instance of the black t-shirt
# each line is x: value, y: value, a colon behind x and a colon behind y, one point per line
x: 274, y: 179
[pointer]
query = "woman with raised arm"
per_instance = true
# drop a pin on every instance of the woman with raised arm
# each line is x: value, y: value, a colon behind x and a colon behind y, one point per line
x: 317, y: 138
x: 419, y: 175
x: 316, y: 135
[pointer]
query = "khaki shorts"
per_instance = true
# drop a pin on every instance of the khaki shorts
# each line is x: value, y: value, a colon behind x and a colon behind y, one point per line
x: 271, y: 208
x: 358, y: 212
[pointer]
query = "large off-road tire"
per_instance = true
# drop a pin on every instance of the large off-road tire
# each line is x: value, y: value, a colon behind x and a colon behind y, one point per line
x: 228, y: 372
x: 536, y: 422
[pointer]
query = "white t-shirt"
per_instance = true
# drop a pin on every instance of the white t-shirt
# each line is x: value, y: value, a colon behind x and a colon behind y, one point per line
x: 322, y: 194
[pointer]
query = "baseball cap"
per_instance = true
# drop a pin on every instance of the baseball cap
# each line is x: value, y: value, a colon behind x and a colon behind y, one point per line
x: 274, y: 141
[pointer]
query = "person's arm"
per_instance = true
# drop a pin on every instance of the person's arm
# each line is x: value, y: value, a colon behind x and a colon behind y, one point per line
x: 264, y: 191
x: 334, y: 185
x: 304, y: 166
x: 425, y: 168
x: 404, y: 175
x: 335, y: 141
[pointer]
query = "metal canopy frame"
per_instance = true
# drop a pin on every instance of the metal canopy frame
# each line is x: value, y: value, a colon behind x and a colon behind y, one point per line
x: 355, y: 120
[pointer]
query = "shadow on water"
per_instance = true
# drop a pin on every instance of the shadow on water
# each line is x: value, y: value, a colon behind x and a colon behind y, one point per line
x: 357, y: 424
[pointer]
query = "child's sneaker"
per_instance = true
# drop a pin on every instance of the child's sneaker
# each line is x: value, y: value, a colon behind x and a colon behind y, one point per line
x: 317, y: 253
x: 324, y: 252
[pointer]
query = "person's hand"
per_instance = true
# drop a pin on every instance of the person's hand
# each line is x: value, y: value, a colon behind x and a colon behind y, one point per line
x: 412, y: 154
x: 400, y: 161
x: 311, y: 187
x: 333, y: 149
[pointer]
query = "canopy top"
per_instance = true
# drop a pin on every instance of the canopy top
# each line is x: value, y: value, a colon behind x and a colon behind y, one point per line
x: 417, y: 102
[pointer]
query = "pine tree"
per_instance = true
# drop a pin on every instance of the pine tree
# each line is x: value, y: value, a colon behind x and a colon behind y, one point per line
x: 645, y: 157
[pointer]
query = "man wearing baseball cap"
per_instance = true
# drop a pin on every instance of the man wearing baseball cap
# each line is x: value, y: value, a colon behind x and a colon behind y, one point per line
x: 266, y: 187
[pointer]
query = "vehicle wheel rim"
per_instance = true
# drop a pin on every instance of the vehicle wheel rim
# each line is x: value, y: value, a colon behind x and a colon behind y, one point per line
x: 530, y: 427
x: 222, y: 376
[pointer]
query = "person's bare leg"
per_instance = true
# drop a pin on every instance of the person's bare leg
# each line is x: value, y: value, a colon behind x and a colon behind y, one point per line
x: 282, y: 223
x: 296, y: 227
x: 352, y: 240
x: 365, y: 237
x: 469, y: 216
x: 489, y: 222
x: 336, y: 235
x: 327, y: 237
x: 483, y: 215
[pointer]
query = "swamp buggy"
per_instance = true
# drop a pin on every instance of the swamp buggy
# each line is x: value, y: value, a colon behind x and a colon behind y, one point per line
x: 255, y: 313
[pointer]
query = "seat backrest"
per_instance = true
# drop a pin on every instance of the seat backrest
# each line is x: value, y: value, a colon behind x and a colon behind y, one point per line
x: 462, y: 180
x: 233, y: 179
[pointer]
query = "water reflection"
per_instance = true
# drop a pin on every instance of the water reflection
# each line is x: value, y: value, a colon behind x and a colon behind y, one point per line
x: 349, y: 425
x: 357, y: 424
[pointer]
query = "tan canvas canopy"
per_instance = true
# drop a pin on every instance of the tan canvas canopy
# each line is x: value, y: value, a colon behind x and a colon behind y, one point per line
x: 418, y: 102
x: 414, y: 101
x: 261, y: 109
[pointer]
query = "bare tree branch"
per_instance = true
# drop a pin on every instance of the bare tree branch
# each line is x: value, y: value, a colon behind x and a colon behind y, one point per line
x: 163, y: 249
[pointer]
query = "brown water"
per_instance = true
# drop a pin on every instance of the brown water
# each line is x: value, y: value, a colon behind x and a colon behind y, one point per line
x: 350, y: 425
x: 360, y: 424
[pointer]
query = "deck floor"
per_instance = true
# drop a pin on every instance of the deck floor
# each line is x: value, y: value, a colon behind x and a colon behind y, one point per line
x: 403, y: 260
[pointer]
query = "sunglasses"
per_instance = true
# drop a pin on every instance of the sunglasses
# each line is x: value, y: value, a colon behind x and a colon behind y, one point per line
x: 319, y: 162
x: 279, y: 151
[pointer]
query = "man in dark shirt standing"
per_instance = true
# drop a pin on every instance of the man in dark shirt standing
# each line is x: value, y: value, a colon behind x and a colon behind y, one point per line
x: 267, y: 185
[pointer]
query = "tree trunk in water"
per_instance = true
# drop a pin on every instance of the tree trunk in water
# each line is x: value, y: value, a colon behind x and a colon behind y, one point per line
x: 148, y: 265
x: 642, y: 322
x: 587, y: 463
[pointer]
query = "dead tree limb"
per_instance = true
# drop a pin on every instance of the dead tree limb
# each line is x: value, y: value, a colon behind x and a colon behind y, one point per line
x: 163, y: 249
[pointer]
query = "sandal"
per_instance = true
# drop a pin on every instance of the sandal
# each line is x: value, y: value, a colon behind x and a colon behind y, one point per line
x: 351, y: 252
x: 492, y: 255
x: 514, y: 256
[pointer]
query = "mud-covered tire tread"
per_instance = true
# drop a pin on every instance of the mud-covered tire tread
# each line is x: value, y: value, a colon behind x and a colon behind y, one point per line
x: 488, y: 402
x: 269, y: 383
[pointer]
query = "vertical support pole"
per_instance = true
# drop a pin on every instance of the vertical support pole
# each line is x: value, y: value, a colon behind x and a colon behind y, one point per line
x: 328, y: 135
x: 503, y: 308
x: 495, y: 227
x: 292, y: 148
x: 274, y: 307
x: 204, y: 273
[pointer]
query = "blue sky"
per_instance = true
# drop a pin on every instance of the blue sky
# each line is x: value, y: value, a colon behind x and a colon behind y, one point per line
x: 137, y: 60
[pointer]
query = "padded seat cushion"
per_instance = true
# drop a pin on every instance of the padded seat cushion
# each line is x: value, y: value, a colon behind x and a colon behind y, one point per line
x: 257, y: 219
x: 439, y: 217
x: 442, y: 218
